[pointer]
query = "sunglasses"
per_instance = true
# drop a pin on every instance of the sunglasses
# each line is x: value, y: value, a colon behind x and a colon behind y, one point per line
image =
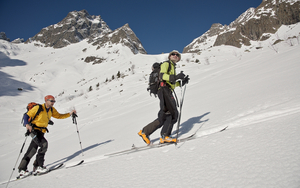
x: 175, y: 54
x: 52, y: 100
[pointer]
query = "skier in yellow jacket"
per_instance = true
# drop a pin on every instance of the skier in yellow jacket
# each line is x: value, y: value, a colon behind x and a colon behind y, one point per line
x: 168, y: 113
x: 37, y: 128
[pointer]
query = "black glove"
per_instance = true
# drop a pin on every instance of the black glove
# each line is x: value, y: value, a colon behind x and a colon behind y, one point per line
x: 50, y: 122
x: 185, y: 80
x: 173, y: 78
x: 27, y: 133
x: 74, y: 118
x: 180, y: 76
x: 74, y: 115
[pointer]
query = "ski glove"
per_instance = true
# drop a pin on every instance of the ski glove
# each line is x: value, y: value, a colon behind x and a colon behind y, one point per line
x: 27, y: 133
x: 74, y: 115
x: 185, y: 80
x: 179, y: 76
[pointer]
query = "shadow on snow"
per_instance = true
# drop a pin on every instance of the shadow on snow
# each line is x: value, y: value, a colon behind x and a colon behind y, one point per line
x: 8, y: 85
x: 63, y: 160
x: 187, y: 126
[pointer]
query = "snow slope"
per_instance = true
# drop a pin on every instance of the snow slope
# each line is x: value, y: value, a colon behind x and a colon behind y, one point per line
x: 254, y: 91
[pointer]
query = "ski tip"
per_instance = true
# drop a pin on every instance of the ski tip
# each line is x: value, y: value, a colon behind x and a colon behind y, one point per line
x: 80, y: 162
x: 77, y: 164
x: 224, y: 129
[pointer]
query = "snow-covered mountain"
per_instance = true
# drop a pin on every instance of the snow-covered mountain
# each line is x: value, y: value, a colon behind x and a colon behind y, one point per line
x: 254, y: 91
x: 255, y: 24
x: 80, y: 25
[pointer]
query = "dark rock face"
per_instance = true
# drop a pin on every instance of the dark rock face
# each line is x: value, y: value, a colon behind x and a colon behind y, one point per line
x: 3, y: 36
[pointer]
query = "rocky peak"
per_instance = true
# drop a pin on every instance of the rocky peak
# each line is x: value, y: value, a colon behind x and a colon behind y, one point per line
x: 254, y: 24
x: 79, y: 25
x: 123, y: 35
x: 3, y: 36
x: 76, y: 26
x: 214, y: 30
x: 243, y: 18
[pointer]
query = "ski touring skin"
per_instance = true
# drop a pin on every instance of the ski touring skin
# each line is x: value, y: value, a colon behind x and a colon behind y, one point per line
x: 158, y: 145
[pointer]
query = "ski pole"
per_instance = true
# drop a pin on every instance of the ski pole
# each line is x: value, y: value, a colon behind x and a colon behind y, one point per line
x: 26, y: 134
x: 75, y: 122
x: 179, y: 116
x: 180, y: 109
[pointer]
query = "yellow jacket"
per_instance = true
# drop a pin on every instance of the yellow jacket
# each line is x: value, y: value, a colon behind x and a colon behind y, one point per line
x: 166, y: 75
x: 43, y: 118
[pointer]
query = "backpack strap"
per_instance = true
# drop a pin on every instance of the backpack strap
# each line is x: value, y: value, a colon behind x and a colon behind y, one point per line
x: 163, y: 82
x: 169, y: 68
x: 168, y: 71
x: 37, y: 113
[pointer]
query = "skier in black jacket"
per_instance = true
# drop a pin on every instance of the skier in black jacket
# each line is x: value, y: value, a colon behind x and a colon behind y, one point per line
x: 168, y: 113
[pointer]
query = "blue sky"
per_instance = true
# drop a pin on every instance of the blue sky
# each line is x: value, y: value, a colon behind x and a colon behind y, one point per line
x: 161, y: 25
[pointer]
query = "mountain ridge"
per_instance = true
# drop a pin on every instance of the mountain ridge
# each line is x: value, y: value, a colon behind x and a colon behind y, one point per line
x: 255, y: 24
x: 80, y: 25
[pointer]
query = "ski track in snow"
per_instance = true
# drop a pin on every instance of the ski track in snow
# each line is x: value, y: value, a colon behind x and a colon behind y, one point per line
x: 252, y: 117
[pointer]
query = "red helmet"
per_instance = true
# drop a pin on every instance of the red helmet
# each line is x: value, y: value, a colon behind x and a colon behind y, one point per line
x: 49, y: 97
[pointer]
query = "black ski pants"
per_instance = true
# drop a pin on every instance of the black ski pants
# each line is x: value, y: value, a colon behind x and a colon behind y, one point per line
x: 38, y: 140
x: 167, y: 115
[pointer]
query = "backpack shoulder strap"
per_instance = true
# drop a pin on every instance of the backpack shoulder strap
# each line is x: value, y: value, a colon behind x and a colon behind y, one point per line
x: 37, y: 113
x: 169, y: 68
